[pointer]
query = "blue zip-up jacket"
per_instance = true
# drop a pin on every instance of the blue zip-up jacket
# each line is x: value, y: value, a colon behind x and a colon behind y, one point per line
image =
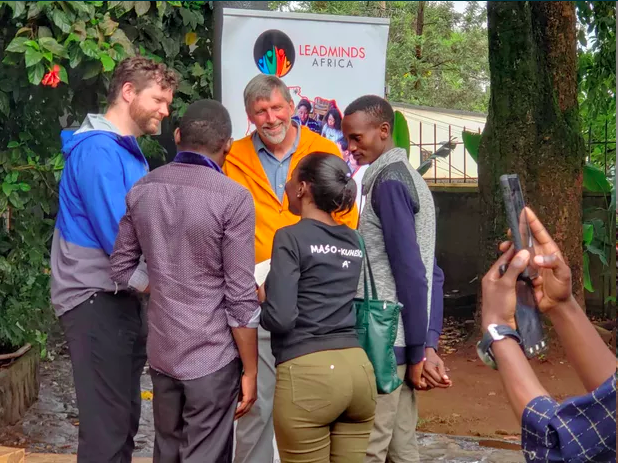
x: 101, y: 167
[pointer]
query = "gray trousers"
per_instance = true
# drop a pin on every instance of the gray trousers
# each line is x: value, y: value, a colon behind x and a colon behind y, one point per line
x: 255, y: 431
x: 194, y: 419
x: 106, y: 336
x: 393, y: 438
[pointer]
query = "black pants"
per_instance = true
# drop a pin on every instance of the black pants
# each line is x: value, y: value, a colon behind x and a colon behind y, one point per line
x: 194, y: 419
x: 107, y: 343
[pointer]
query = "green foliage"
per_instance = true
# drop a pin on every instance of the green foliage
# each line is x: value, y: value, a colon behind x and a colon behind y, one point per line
x: 472, y: 142
x: 446, y: 65
x: 595, y: 233
x: 595, y: 242
x: 401, y: 139
x: 85, y: 40
x: 595, y: 179
x: 401, y: 132
x: 597, y: 77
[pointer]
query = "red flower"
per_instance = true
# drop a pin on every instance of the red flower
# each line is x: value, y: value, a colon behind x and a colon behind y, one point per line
x: 52, y: 78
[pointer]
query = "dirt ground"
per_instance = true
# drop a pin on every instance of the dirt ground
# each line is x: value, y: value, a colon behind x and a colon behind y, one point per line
x: 476, y: 405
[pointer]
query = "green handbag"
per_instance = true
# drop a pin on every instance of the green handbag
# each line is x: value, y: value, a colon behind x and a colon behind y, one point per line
x: 376, y: 325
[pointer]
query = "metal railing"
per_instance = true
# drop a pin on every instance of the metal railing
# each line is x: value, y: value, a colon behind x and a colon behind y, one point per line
x: 456, y: 168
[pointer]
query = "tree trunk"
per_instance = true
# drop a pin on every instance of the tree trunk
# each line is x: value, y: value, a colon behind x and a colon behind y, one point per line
x: 533, y: 126
x: 420, y: 22
x: 418, y: 31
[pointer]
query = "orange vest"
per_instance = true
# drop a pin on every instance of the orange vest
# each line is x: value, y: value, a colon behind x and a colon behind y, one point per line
x: 243, y: 165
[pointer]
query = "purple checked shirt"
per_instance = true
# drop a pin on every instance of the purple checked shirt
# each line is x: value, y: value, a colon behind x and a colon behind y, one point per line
x: 195, y: 228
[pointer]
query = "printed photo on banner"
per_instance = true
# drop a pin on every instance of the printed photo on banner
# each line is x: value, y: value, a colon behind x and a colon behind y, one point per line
x: 325, y: 65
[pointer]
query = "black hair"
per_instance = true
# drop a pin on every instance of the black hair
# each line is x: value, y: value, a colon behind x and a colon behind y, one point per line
x: 375, y: 107
x: 206, y: 124
x: 304, y: 102
x: 330, y: 182
x: 336, y: 115
x: 343, y: 142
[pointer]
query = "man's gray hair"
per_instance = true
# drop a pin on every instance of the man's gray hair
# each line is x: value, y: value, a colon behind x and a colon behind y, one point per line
x: 261, y: 88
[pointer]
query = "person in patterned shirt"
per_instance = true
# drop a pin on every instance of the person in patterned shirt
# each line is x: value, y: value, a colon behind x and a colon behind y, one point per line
x: 195, y: 227
x: 581, y: 428
x: 303, y: 110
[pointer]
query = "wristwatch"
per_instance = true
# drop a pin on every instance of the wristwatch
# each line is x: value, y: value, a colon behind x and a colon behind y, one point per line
x: 494, y: 333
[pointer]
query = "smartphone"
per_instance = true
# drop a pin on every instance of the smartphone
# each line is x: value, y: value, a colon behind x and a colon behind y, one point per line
x: 527, y: 315
x: 517, y: 219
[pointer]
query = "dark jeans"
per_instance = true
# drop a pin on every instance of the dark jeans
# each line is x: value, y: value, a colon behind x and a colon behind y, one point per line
x: 107, y: 342
x: 194, y: 419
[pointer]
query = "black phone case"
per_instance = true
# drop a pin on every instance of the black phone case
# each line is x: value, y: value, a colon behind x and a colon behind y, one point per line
x: 528, y: 320
x: 527, y: 315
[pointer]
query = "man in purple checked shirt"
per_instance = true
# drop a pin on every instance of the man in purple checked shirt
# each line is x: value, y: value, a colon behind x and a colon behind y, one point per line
x: 196, y: 228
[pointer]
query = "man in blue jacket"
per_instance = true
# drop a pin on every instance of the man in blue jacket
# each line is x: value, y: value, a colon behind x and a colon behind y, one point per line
x: 101, y: 321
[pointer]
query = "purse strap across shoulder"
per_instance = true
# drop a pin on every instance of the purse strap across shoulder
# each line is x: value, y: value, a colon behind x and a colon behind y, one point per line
x: 367, y: 269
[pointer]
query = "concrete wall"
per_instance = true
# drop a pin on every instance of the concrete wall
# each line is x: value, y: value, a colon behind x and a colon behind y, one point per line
x: 457, y: 245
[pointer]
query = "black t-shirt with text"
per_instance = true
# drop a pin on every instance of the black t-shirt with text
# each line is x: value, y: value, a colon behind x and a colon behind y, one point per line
x: 310, y: 289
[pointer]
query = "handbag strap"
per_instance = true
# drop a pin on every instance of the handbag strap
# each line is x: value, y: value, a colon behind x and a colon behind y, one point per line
x: 367, y: 266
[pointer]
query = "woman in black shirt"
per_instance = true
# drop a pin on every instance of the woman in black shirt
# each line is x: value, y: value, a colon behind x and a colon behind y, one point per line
x: 325, y: 394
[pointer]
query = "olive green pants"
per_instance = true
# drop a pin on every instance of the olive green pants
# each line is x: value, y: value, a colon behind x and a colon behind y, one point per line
x: 324, y: 407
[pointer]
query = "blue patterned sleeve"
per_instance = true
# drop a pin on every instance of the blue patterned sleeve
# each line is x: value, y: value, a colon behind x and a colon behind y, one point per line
x: 580, y: 429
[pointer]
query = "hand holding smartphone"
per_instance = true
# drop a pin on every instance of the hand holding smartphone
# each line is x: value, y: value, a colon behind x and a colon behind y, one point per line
x: 527, y: 315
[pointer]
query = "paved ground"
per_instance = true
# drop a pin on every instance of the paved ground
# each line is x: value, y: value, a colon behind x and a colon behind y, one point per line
x: 50, y: 427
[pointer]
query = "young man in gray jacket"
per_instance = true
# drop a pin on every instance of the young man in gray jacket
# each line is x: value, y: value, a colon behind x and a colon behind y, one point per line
x: 398, y: 225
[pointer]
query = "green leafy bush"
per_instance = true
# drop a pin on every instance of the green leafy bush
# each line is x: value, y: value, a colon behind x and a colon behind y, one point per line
x: 57, y: 61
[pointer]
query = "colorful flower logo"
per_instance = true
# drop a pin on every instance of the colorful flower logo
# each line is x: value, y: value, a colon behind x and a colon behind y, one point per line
x: 274, y: 53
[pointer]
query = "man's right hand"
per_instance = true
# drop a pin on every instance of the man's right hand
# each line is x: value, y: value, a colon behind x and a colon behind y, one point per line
x: 414, y: 376
x: 247, y: 396
x: 434, y: 371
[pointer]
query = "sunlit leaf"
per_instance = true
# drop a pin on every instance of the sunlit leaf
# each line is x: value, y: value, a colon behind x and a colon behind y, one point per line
x: 90, y: 49
x: 472, y: 141
x: 62, y: 73
x: 595, y: 179
x: 108, y: 25
x: 23, y: 30
x: 49, y: 43
x: 587, y: 279
x: 107, y: 62
x: 17, y: 45
x: 18, y: 8
x: 36, y: 73
x: 141, y: 8
x: 190, y: 38
x: 401, y: 132
x: 587, y: 233
x: 119, y: 37
x: 61, y: 20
